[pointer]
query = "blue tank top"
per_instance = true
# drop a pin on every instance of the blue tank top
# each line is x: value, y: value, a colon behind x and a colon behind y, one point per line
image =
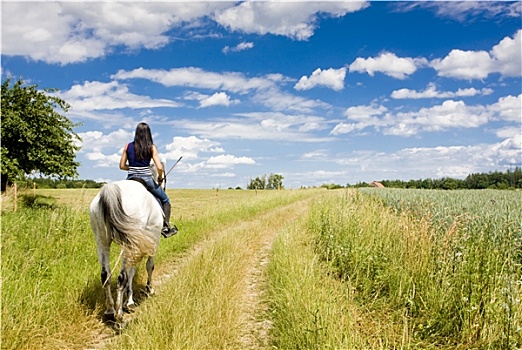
x: 137, y: 166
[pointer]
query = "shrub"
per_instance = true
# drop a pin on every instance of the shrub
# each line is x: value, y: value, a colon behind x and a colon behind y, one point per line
x: 38, y: 201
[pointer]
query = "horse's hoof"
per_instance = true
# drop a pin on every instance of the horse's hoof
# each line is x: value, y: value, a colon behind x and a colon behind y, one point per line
x: 119, y: 326
x: 149, y: 290
x: 128, y: 309
x: 109, y: 317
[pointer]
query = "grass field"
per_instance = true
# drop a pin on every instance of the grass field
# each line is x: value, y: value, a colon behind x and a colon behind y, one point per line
x: 293, y: 269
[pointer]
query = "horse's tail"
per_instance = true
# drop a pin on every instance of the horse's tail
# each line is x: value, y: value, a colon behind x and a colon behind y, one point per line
x: 126, y: 230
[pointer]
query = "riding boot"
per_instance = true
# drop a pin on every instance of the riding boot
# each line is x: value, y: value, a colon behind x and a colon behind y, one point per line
x: 167, y: 230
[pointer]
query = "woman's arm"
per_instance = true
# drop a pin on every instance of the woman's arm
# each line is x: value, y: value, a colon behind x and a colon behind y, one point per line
x: 123, y: 159
x: 157, y: 162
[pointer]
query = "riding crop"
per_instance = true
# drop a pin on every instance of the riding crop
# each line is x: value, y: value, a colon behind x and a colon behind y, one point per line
x: 168, y: 172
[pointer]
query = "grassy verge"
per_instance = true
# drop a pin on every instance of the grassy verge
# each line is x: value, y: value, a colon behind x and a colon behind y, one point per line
x: 309, y: 310
x: 47, y: 257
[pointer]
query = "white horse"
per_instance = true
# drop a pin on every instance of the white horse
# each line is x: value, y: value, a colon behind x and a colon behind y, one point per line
x: 126, y: 213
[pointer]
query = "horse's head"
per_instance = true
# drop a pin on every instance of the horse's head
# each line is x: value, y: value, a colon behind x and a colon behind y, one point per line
x: 155, y: 170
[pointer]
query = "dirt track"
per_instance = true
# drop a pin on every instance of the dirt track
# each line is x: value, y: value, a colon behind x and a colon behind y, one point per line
x: 256, y: 235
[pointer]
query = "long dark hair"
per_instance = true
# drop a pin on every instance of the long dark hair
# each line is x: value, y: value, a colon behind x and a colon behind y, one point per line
x: 143, y: 141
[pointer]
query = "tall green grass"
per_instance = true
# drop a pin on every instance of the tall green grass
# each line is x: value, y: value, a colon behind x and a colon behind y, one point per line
x: 308, y: 309
x: 51, y: 291
x: 405, y: 269
x: 447, y: 269
x: 47, y: 267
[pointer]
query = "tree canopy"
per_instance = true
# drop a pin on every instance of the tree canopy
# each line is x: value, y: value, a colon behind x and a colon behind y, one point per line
x: 35, y: 136
x: 272, y: 182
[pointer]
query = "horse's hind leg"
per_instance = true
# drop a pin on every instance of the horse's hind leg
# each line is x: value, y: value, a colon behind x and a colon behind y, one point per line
x: 130, y: 299
x: 123, y: 280
x: 103, y: 257
x: 150, y: 269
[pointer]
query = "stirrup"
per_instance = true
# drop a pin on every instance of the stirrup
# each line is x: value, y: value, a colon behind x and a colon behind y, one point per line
x: 169, y: 231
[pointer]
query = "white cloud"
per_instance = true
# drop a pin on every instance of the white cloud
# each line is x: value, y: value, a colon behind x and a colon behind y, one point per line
x: 364, y: 112
x: 346, y: 128
x: 430, y: 162
x: 331, y: 78
x: 432, y: 92
x: 43, y: 31
x: 296, y: 20
x: 281, y: 122
x: 363, y: 116
x: 190, y: 147
x: 223, y: 175
x: 224, y: 161
x: 317, y: 154
x: 466, y: 10
x: 258, y: 126
x: 508, y: 108
x: 218, y: 99
x: 104, y: 161
x: 278, y: 100
x: 504, y: 58
x: 464, y: 64
x: 97, y: 141
x: 198, y: 78
x: 389, y: 64
x: 239, y: 47
x: 264, y: 89
x: 507, y: 55
x: 95, y: 145
x: 450, y: 114
x: 70, y: 32
x: 512, y: 144
x: 96, y: 95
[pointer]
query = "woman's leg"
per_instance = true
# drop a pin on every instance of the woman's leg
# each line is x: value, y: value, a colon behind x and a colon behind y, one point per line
x: 156, y: 190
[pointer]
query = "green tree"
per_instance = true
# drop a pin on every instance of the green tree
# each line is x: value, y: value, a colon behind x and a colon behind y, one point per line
x: 35, y: 136
x: 271, y: 182
x: 275, y: 182
x: 259, y: 183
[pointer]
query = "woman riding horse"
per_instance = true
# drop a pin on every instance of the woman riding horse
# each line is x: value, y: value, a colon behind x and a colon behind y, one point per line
x: 139, y: 154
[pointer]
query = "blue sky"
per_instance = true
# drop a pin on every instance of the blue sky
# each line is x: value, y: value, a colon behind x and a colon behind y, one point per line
x: 319, y: 92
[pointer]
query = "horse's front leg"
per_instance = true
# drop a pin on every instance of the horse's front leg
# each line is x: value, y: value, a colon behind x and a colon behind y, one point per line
x: 150, y: 269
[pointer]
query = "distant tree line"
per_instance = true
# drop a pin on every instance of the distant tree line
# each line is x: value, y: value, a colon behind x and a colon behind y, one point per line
x: 270, y: 182
x: 511, y: 179
x: 58, y: 183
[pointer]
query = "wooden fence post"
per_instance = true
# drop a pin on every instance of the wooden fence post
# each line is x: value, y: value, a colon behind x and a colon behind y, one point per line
x: 15, y: 196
